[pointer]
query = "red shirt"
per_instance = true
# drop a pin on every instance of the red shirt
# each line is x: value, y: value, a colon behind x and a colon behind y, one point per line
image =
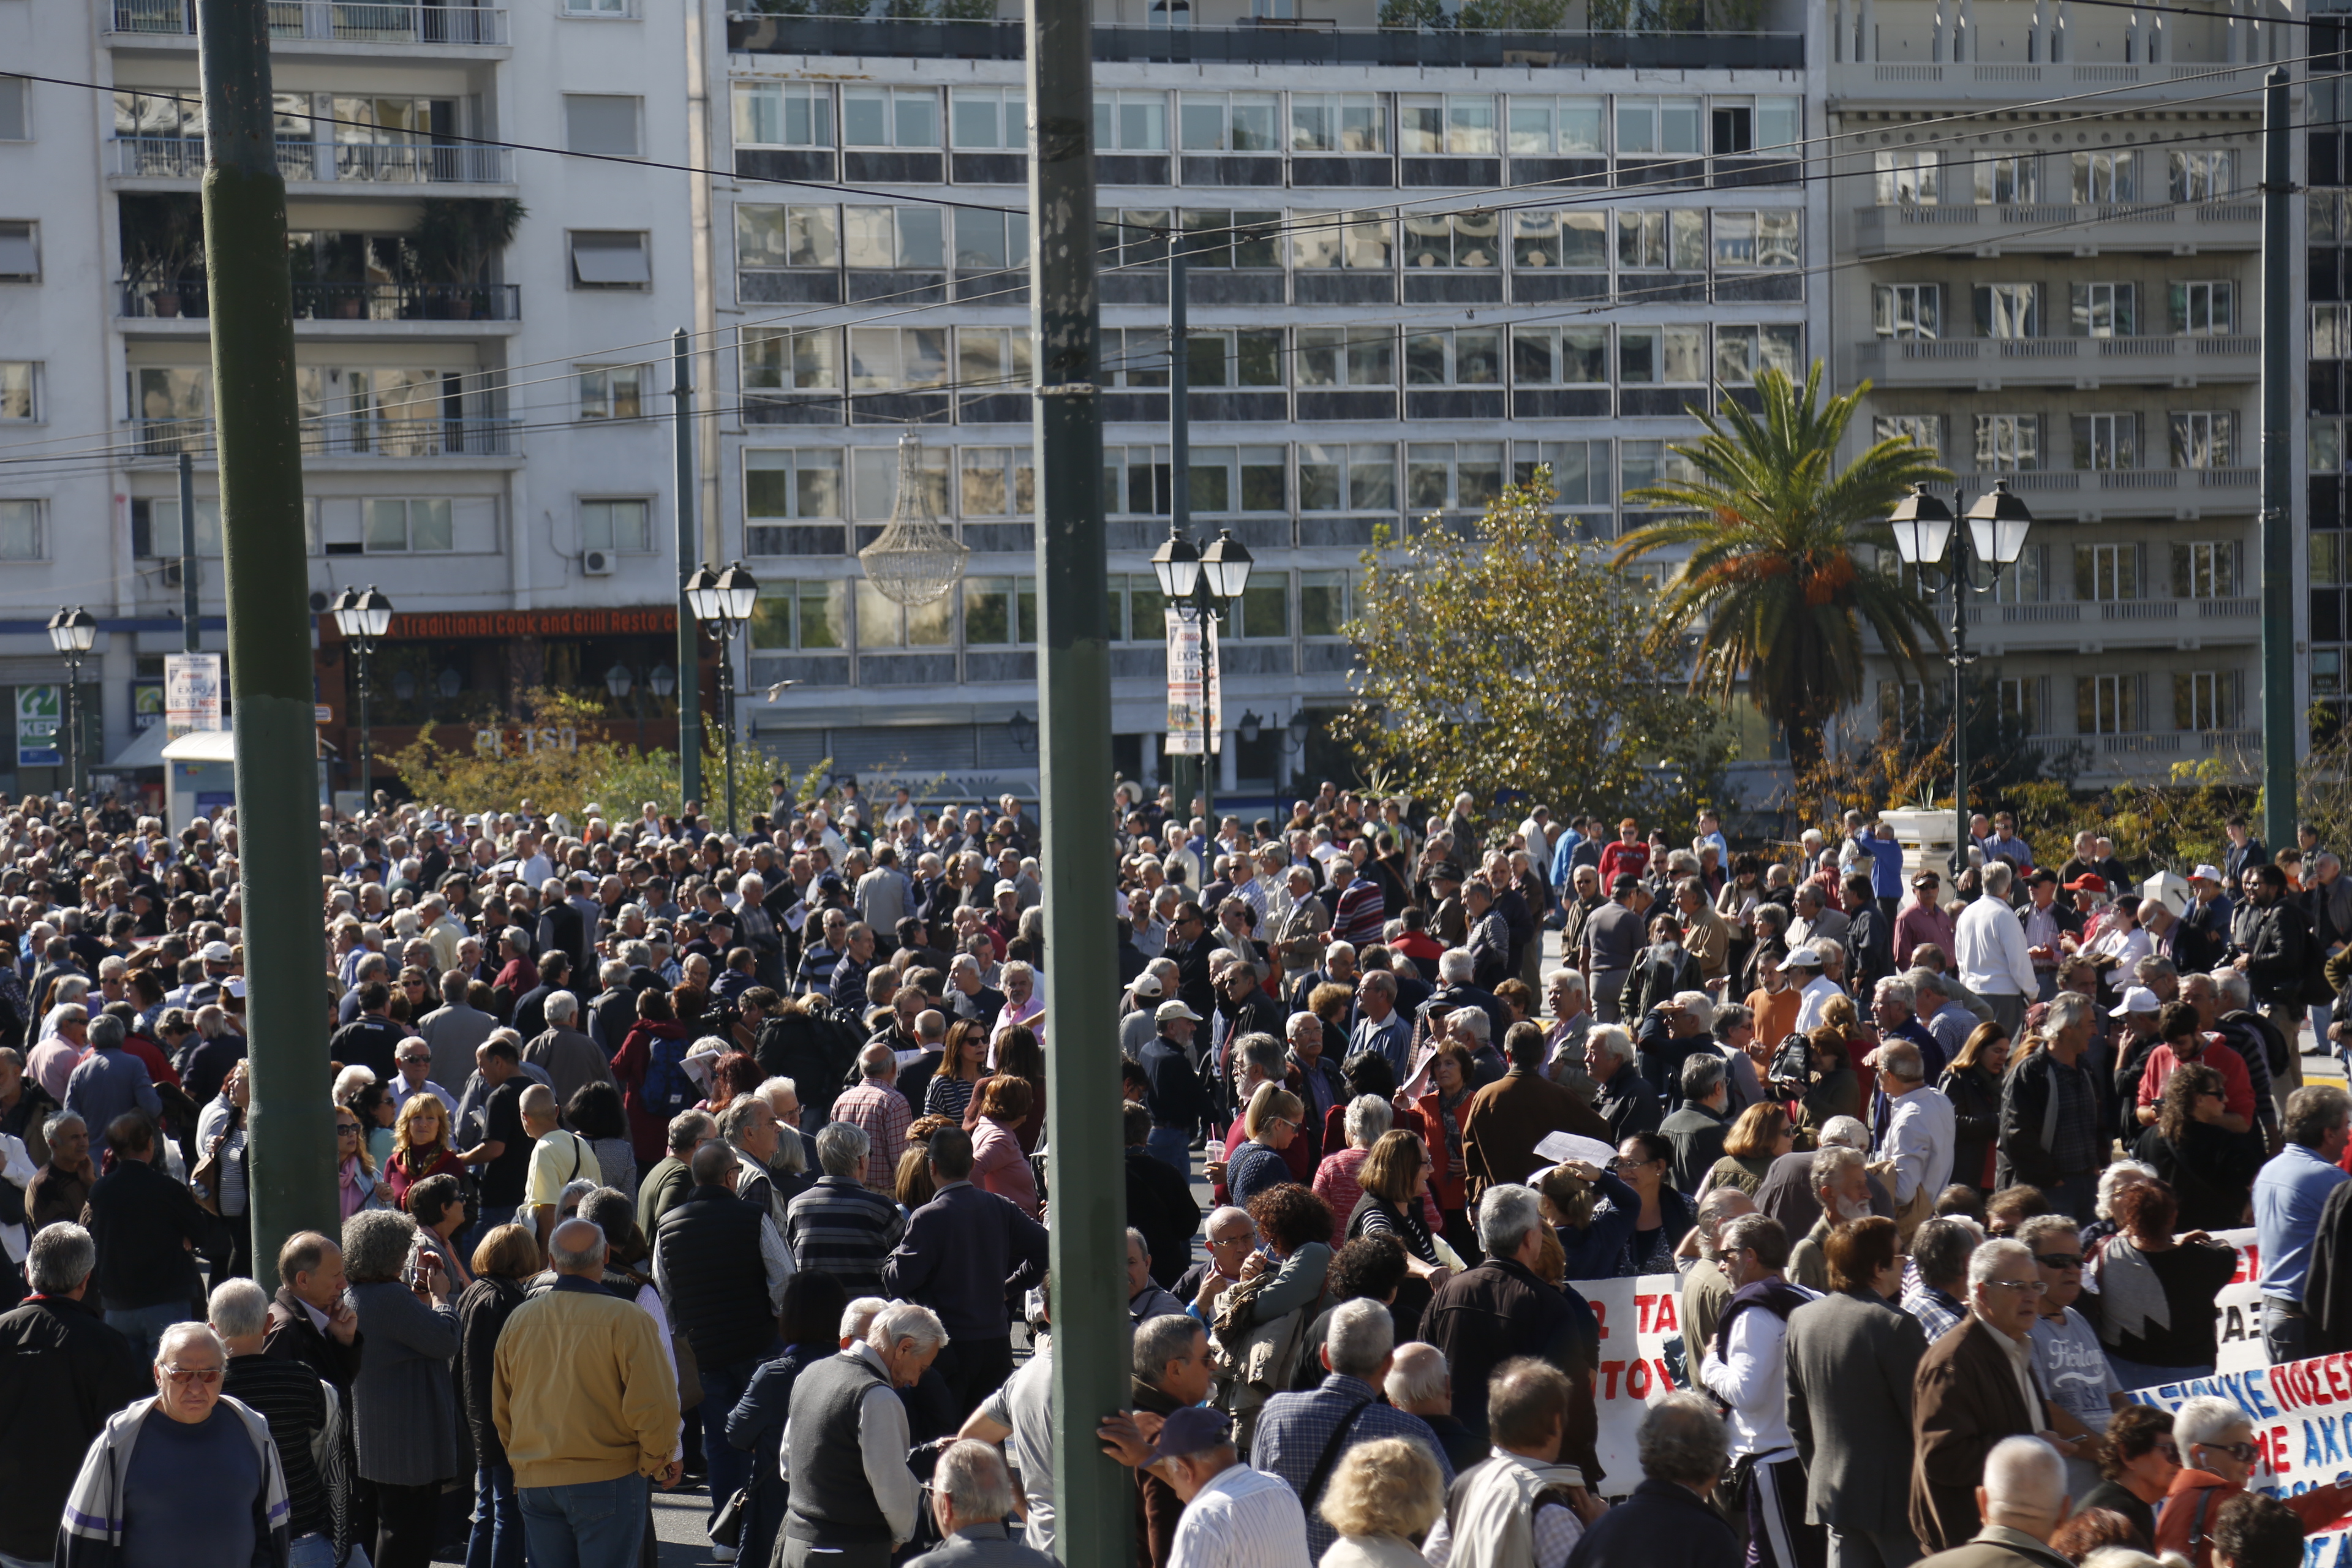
x: 2237, y: 1088
x: 1631, y: 858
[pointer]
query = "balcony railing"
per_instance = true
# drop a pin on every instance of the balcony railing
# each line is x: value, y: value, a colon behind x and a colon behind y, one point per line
x: 342, y: 302
x: 343, y: 437
x: 347, y: 163
x: 325, y: 19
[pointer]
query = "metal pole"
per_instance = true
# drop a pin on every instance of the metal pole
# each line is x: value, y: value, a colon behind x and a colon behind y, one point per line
x: 72, y: 732
x: 265, y: 582
x: 1959, y: 682
x: 360, y: 650
x: 727, y: 713
x: 1094, y: 1496
x: 2279, y: 339
x: 689, y: 664
x: 1180, y: 460
x: 191, y: 575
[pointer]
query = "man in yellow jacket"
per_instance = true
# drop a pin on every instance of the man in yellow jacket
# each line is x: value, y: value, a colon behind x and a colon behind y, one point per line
x: 586, y: 1404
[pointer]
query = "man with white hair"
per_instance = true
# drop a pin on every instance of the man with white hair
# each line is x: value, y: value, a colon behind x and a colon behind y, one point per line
x: 1843, y: 1196
x: 971, y: 1492
x: 569, y: 1057
x: 1484, y: 1316
x: 845, y: 1441
x: 2049, y: 1131
x: 1302, y: 1437
x: 1418, y: 1384
x: 2024, y: 1500
x: 1379, y: 1025
x: 188, y: 1477
x: 291, y: 1398
x: 877, y: 1109
x: 2217, y: 1455
x: 1990, y: 948
x: 1697, y: 1125
x: 1920, y: 1135
x: 1621, y: 1095
x: 840, y: 1226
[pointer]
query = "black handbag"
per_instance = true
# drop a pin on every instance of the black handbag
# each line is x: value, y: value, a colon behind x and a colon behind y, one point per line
x: 727, y: 1529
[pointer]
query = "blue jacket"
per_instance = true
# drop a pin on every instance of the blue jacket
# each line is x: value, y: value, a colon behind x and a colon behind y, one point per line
x: 963, y: 1252
x: 1662, y: 1525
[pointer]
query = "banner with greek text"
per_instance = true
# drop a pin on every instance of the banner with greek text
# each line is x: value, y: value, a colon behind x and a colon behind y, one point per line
x: 2302, y: 1417
x: 1638, y: 1318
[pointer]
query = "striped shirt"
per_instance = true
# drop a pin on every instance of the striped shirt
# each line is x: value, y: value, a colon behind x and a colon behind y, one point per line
x: 837, y: 1228
x: 288, y: 1396
x: 1243, y: 1519
x: 1362, y: 913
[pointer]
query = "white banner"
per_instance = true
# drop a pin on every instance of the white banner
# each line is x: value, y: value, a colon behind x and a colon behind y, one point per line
x: 2302, y: 1417
x: 1637, y: 1317
x: 1195, y: 704
x: 192, y: 693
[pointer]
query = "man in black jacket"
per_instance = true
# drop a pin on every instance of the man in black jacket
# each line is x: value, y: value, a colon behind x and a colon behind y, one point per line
x: 1484, y: 1316
x: 140, y: 1218
x: 2271, y: 944
x: 67, y: 1372
x: 561, y: 928
x: 310, y: 1322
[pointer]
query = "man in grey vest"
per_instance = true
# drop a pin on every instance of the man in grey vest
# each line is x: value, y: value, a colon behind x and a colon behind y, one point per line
x: 853, y: 1498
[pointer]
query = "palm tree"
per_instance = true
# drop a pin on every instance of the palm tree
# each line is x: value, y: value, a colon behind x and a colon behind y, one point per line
x: 1772, y: 526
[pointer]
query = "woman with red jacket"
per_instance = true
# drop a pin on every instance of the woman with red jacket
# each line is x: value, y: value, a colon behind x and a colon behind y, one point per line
x: 1441, y: 1111
x: 649, y: 1123
x: 420, y: 1146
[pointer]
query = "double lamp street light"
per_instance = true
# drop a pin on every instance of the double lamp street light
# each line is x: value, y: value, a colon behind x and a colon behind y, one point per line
x: 73, y: 632
x: 722, y: 603
x: 364, y: 619
x: 1201, y: 584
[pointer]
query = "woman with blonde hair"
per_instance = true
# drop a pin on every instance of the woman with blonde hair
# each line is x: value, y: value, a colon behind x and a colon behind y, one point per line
x: 1760, y: 1136
x: 1384, y: 1496
x: 420, y: 1146
x: 1272, y: 1121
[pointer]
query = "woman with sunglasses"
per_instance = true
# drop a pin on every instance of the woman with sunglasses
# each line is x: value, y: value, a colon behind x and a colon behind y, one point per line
x: 355, y: 1177
x: 2211, y: 1169
x: 2139, y: 1461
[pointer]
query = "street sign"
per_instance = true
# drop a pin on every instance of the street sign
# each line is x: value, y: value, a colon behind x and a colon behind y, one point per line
x: 39, y: 710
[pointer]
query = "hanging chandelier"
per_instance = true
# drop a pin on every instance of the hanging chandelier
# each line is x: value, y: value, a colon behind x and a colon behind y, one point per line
x: 916, y: 560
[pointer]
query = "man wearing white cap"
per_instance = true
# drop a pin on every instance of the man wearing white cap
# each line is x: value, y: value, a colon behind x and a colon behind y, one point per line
x: 2209, y: 909
x: 1144, y: 995
x: 1173, y: 1094
x: 1803, y: 967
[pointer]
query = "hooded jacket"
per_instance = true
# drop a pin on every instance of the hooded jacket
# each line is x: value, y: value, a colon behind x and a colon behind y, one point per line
x: 91, y: 1533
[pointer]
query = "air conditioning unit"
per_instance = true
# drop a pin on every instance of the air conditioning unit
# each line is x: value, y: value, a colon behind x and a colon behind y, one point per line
x: 596, y: 563
x: 172, y: 573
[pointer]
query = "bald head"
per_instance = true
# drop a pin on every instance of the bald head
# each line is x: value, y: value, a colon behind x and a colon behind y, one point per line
x: 713, y: 1165
x: 2024, y: 1487
x: 576, y: 1246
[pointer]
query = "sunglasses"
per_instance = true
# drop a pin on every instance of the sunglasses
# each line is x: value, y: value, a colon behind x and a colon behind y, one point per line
x: 2059, y: 1259
x: 350, y: 1127
x: 2241, y: 1452
x: 184, y: 1375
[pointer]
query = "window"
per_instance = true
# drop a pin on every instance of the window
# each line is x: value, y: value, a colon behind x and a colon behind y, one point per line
x: 2008, y: 310
x: 595, y: 7
x: 20, y: 530
x: 406, y: 525
x: 1907, y: 310
x: 2006, y: 180
x: 1644, y: 463
x: 623, y: 525
x: 782, y: 114
x: 15, y: 119
x: 1324, y: 603
x: 1741, y: 352
x: 20, y: 254
x: 997, y: 481
x: 1339, y: 123
x: 911, y: 237
x: 2202, y: 176
x: 2027, y: 581
x: 1560, y: 356
x: 155, y: 529
x: 1920, y: 429
x: 1138, y: 611
x: 1661, y: 355
x: 1463, y: 475
x: 2009, y: 443
x: 1129, y: 240
x: 1452, y: 239
x: 1244, y: 357
x: 790, y: 358
x: 2331, y: 331
x: 789, y: 616
x: 895, y: 116
x: 1131, y: 122
x: 1357, y: 477
x: 1136, y: 480
x: 1220, y: 238
x: 612, y: 391
x: 791, y: 484
x: 2105, y: 573
x: 1458, y: 125
x: 601, y: 123
x: 1577, y: 239
x: 610, y: 258
x: 2327, y: 565
x: 2019, y: 701
x: 1649, y: 125
x: 2208, y: 569
x: 989, y: 119
x: 175, y: 396
x: 874, y: 482
x: 883, y: 624
x: 1757, y: 238
x: 1346, y: 357
x: 1228, y: 122
x: 2105, y: 310
x: 1238, y: 479
x: 1731, y: 127
x: 162, y: 114
x: 993, y: 359
x: 1557, y: 127
x: 1902, y: 703
x: 990, y: 242
x: 2106, y: 441
x: 998, y: 612
x: 2205, y: 438
x: 2106, y: 704
x: 1579, y: 470
x: 1362, y: 241
x: 20, y: 391
x: 2201, y: 699
x: 1264, y: 612
x: 1674, y: 240
x: 1907, y: 178
x: 2326, y: 447
x: 2206, y: 310
x: 1464, y: 356
x: 2105, y: 177
x: 786, y: 237
x: 886, y: 357
x: 1135, y: 356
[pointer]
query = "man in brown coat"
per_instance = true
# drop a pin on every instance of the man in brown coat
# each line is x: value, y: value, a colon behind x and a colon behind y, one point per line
x: 1977, y: 1386
x: 1505, y: 1120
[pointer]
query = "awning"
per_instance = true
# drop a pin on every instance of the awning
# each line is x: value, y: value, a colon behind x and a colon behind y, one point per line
x: 143, y: 750
x: 203, y: 746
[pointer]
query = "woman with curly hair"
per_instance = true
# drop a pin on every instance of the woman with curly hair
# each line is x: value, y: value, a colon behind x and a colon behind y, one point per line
x: 1385, y: 1496
x: 2210, y: 1168
x: 736, y: 1074
x: 420, y: 1146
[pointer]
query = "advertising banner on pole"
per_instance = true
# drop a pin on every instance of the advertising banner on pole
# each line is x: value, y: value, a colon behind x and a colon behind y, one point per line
x: 39, y: 717
x: 192, y: 693
x: 1195, y: 708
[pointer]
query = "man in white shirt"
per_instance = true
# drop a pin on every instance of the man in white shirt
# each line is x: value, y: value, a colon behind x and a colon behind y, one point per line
x: 1803, y: 969
x: 1989, y: 947
x: 1746, y: 1368
x: 1234, y: 1517
x: 1920, y: 1128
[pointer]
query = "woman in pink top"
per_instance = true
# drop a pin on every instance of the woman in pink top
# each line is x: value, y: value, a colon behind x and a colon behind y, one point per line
x: 998, y: 1165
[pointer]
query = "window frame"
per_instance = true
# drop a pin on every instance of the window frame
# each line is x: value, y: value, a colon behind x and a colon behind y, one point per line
x: 1001, y: 98
x: 645, y: 250
x: 898, y: 245
x: 581, y: 510
x: 788, y: 359
x: 36, y: 402
x: 820, y: 116
x: 1919, y: 307
x: 1338, y: 105
x: 892, y: 96
x: 32, y: 242
x: 1452, y: 127
x: 635, y: 104
x: 608, y: 375
x: 762, y: 461
x: 35, y: 514
x: 1221, y: 103
x: 408, y: 524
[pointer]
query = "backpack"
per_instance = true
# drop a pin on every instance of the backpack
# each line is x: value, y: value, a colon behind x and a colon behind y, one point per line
x: 669, y: 1088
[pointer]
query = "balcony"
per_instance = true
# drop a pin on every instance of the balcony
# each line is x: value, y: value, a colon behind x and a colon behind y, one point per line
x: 321, y: 163
x: 365, y: 302
x: 2088, y: 495
x: 1988, y: 364
x: 338, y: 437
x: 330, y: 21
x: 1269, y: 42
x: 2062, y: 228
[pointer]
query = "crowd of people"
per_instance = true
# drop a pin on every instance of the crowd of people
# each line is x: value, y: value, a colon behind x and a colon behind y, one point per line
x: 670, y: 1157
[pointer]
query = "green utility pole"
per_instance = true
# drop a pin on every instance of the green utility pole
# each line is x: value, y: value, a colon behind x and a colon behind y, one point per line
x: 690, y: 553
x: 1094, y: 1496
x: 1192, y: 772
x: 191, y: 634
x: 2280, y: 727
x: 265, y: 578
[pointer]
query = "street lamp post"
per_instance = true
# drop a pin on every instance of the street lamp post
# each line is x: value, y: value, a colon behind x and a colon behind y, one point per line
x: 722, y: 604
x: 73, y: 632
x: 1924, y: 536
x: 364, y: 619
x: 1201, y: 584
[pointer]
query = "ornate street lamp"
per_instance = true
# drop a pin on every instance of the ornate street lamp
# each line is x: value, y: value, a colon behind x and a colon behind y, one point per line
x: 73, y: 632
x: 362, y: 619
x: 722, y: 604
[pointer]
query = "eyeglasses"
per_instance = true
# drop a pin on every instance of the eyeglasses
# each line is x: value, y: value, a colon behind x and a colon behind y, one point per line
x: 2241, y: 1452
x: 350, y: 1127
x: 2029, y: 1287
x: 2059, y: 1259
x: 184, y: 1375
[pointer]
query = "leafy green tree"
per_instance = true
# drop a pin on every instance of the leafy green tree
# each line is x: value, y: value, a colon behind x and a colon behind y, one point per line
x: 1501, y: 656
x: 1777, y: 570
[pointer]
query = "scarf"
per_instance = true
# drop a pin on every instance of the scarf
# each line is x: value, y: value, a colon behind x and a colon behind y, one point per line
x: 2131, y: 1297
x: 1777, y: 1297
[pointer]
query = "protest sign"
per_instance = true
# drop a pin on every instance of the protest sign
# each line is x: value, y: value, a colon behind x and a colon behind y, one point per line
x: 2301, y: 1413
x: 1638, y: 1319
